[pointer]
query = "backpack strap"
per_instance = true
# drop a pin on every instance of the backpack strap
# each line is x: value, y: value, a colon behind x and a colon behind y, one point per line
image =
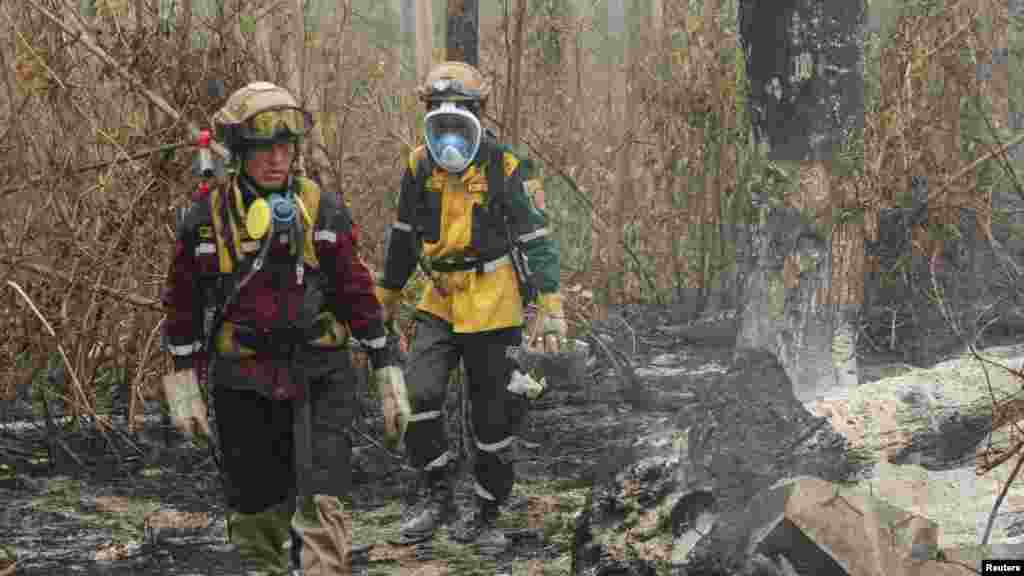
x: 495, y: 173
x: 496, y: 188
x: 424, y: 170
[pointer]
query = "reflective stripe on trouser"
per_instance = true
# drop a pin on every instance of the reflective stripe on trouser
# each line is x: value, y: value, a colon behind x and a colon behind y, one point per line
x: 497, y: 413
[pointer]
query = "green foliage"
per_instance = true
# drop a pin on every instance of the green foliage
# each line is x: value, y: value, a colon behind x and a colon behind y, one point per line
x: 944, y: 232
x: 108, y: 380
x: 247, y: 23
x: 853, y: 215
x: 901, y: 268
x: 167, y: 16
x: 87, y: 8
x: 377, y: 19
x: 43, y: 389
x: 548, y: 38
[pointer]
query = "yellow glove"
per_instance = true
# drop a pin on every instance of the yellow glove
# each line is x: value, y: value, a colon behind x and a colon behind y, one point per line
x: 549, y: 324
x: 394, y: 398
x: 390, y: 300
x: 186, y: 402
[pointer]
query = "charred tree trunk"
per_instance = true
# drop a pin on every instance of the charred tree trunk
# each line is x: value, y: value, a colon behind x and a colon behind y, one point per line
x: 802, y: 59
x: 463, y: 31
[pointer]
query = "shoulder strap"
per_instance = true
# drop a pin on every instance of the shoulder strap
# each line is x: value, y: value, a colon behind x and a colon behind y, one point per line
x: 424, y: 170
x: 495, y: 172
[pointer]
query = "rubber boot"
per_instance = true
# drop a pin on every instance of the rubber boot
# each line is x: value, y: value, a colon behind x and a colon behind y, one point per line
x: 259, y: 539
x: 479, y: 526
x: 430, y: 511
x: 321, y: 524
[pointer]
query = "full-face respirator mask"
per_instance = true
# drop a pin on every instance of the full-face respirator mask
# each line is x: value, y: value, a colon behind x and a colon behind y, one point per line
x: 453, y: 136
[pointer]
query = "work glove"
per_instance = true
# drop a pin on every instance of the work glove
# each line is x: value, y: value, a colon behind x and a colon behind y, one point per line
x: 549, y: 324
x: 389, y: 300
x: 394, y: 398
x: 186, y: 402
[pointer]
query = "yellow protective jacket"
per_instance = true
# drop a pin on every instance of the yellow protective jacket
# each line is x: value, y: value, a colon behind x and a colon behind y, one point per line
x: 454, y: 220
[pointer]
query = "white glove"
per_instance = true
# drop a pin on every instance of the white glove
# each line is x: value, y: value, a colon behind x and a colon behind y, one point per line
x: 524, y: 385
x: 394, y: 398
x: 186, y: 402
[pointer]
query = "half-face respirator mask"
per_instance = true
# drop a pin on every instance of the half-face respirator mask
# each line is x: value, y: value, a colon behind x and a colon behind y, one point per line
x: 277, y: 211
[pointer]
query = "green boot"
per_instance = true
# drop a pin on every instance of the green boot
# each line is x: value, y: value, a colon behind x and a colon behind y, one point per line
x: 259, y: 539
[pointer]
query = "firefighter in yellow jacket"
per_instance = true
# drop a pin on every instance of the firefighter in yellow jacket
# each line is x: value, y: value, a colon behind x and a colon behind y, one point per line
x: 466, y: 215
x: 264, y: 287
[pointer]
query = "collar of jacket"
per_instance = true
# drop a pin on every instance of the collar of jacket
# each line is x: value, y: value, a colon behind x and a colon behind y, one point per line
x: 251, y: 191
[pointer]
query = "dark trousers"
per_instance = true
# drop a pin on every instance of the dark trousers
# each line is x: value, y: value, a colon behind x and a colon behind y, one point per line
x: 257, y: 448
x: 261, y: 439
x: 497, y: 414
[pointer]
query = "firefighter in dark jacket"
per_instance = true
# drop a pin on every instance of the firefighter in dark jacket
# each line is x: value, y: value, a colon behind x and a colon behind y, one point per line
x: 265, y: 287
x: 453, y: 222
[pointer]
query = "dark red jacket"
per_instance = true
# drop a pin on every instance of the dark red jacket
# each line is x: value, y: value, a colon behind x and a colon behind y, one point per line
x: 273, y: 293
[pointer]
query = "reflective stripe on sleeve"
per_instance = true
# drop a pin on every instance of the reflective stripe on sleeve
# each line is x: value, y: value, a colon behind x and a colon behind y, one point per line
x: 206, y: 248
x: 424, y: 416
x: 538, y: 233
x: 185, y: 349
x: 378, y: 343
x: 326, y: 236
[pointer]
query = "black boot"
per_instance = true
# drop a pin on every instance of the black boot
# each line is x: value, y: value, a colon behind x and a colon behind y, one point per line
x: 479, y: 526
x: 431, y: 510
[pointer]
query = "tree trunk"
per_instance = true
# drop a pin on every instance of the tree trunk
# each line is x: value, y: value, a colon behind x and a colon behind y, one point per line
x: 185, y: 33
x: 424, y: 38
x: 660, y: 244
x: 295, y: 73
x: 797, y: 308
x: 407, y: 72
x: 712, y: 220
x: 264, y: 34
x: 619, y: 145
x: 510, y: 110
x: 463, y: 32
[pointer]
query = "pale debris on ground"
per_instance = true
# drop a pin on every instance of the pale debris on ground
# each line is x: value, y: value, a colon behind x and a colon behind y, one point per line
x: 875, y: 416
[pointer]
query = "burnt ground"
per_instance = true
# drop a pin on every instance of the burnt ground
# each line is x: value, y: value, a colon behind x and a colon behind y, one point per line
x: 158, y: 511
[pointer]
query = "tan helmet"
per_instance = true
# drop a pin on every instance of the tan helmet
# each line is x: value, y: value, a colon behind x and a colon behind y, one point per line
x: 234, y: 123
x: 454, y: 82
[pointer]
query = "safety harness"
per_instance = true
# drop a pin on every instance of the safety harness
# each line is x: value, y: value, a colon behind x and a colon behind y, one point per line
x: 231, y: 339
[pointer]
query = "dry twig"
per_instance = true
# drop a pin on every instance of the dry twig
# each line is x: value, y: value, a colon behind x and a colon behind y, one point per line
x: 1002, y: 495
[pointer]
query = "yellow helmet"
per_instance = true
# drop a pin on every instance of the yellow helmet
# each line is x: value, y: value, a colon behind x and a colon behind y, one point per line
x: 454, y: 82
x: 260, y: 113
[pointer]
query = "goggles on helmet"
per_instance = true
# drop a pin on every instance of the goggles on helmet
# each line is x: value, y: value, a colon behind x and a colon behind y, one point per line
x: 275, y: 125
x: 453, y: 136
x: 452, y: 88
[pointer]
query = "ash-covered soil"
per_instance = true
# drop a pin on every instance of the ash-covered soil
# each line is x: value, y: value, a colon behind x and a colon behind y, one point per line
x: 156, y: 509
